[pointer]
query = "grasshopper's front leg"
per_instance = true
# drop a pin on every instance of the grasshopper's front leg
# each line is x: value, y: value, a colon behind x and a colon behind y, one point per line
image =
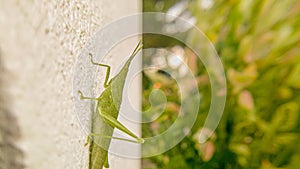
x: 106, y: 82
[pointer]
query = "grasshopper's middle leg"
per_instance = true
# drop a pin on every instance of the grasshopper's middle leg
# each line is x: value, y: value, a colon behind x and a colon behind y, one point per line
x: 84, y: 97
x: 106, y: 82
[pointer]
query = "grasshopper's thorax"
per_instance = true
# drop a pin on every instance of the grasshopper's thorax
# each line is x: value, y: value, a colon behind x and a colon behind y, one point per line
x: 107, y: 103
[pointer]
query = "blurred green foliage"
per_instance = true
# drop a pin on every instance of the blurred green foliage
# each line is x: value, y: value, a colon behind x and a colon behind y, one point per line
x: 258, y: 42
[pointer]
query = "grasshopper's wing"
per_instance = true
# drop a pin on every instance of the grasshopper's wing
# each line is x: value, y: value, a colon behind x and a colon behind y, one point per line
x: 99, y: 146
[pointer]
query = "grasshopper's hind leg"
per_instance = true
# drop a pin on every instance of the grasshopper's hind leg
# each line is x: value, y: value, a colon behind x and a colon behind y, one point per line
x: 116, y: 124
x: 106, y: 82
x: 88, y: 139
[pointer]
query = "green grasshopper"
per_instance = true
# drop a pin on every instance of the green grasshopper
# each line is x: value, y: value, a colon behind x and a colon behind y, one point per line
x: 108, y: 109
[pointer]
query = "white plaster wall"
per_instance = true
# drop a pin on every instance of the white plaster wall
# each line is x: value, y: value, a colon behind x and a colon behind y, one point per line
x: 40, y: 41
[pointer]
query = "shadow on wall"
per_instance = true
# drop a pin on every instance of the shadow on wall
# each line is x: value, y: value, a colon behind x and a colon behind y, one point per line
x: 11, y: 157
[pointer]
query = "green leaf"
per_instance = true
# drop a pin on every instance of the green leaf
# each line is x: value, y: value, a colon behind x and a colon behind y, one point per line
x: 294, y: 78
x: 286, y: 117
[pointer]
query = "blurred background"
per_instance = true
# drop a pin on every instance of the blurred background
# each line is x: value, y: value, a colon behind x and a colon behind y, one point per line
x: 258, y: 42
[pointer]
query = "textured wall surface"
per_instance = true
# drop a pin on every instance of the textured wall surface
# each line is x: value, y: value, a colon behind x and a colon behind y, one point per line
x: 40, y: 41
x: 10, y: 154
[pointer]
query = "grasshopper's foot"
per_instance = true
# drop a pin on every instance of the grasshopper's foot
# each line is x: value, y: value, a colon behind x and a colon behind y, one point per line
x: 80, y: 95
x: 91, y: 58
x: 88, y: 139
x: 140, y: 140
